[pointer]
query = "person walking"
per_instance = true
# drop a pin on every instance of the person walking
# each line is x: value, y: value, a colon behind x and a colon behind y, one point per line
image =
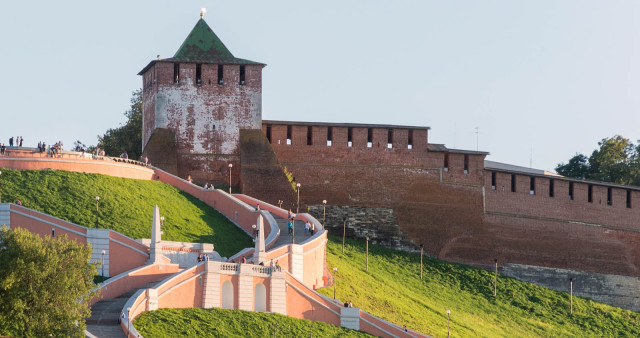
x: 306, y: 228
x: 290, y: 226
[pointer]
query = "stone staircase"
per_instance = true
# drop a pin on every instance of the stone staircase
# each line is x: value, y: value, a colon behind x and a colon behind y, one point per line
x: 105, y: 313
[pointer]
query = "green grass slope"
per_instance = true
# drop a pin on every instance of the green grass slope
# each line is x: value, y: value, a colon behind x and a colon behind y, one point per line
x: 126, y: 206
x: 392, y: 290
x: 196, y: 322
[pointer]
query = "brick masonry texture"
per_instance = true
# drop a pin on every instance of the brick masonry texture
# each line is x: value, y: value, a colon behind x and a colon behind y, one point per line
x: 206, y: 118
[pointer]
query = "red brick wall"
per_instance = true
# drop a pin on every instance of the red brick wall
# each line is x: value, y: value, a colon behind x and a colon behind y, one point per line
x: 206, y: 118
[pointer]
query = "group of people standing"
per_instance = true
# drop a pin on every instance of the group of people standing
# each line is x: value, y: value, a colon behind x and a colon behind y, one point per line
x: 18, y: 141
x: 309, y: 228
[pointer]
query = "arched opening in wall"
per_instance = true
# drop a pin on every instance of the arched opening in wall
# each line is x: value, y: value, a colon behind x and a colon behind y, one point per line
x: 349, y: 137
x: 590, y: 193
x: 390, y: 138
x: 551, y: 188
x: 369, y: 137
x: 288, y: 135
x: 198, y: 75
x: 309, y: 135
x: 513, y: 182
x: 269, y: 132
x: 410, y: 139
x: 609, y: 202
x: 176, y: 73
x: 571, y: 190
x: 242, y: 76
x: 446, y: 162
x: 532, y: 186
x: 466, y: 163
x: 329, y: 136
x: 227, y: 295
x: 260, y: 298
x: 220, y: 75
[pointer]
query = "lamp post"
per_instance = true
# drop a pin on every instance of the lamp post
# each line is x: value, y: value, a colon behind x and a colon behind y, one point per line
x: 275, y: 326
x: 280, y: 204
x: 571, y: 294
x: 97, y: 203
x: 335, y: 281
x: 128, y: 321
x: 298, y: 205
x: 293, y: 229
x: 344, y: 231
x: 53, y: 232
x: 495, y: 278
x: 367, y: 253
x: 448, y: 321
x: 311, y: 330
x: 324, y: 211
x: 161, y: 220
x: 103, y: 265
x: 421, y: 255
x: 230, y: 166
x: 256, y: 231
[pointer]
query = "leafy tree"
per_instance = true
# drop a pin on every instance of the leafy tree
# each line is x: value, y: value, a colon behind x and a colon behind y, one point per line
x: 617, y: 161
x: 578, y: 166
x: 129, y: 136
x: 45, y: 285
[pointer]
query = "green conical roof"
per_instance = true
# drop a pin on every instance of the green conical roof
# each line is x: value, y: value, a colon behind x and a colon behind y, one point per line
x: 203, y: 44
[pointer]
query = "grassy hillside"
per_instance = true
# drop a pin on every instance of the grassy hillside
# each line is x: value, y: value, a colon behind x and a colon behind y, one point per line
x: 197, y: 322
x: 392, y: 290
x: 126, y: 206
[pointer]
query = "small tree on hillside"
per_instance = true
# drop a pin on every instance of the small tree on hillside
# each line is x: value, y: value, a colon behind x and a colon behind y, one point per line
x: 45, y: 285
x: 129, y: 136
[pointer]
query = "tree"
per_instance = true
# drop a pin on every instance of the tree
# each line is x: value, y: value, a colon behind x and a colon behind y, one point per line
x: 578, y: 167
x: 129, y: 136
x: 617, y: 161
x: 45, y: 285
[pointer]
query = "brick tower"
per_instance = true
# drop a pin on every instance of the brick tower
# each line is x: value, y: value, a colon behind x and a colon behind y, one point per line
x: 194, y: 105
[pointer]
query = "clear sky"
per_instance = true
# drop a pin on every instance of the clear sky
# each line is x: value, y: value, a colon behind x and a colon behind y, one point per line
x: 541, y: 80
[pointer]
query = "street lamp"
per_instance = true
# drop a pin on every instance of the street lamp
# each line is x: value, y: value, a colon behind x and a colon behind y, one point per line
x: 53, y: 232
x: 103, y: 265
x: 97, y: 202
x: 280, y: 204
x: 230, y: 166
x: 275, y: 326
x: 367, y: 253
x: 571, y: 294
x: 161, y: 220
x: 311, y: 330
x: 421, y: 255
x: 448, y: 320
x: 344, y: 231
x: 495, y: 278
x: 293, y: 229
x: 128, y: 321
x: 298, y: 206
x: 324, y: 208
x: 256, y: 231
x: 335, y: 281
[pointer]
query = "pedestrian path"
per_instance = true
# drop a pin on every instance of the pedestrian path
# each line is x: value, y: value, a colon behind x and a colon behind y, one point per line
x: 285, y: 238
x: 105, y: 313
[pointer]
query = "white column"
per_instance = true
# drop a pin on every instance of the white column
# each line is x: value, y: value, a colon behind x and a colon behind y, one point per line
x: 155, y: 254
x: 99, y: 241
x: 278, y: 293
x: 297, y: 262
x: 245, y: 288
x: 152, y: 299
x: 259, y: 254
x: 5, y: 214
x: 350, y: 318
x: 212, y: 290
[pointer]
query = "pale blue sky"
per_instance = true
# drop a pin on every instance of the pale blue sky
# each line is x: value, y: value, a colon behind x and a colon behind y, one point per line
x: 544, y: 77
